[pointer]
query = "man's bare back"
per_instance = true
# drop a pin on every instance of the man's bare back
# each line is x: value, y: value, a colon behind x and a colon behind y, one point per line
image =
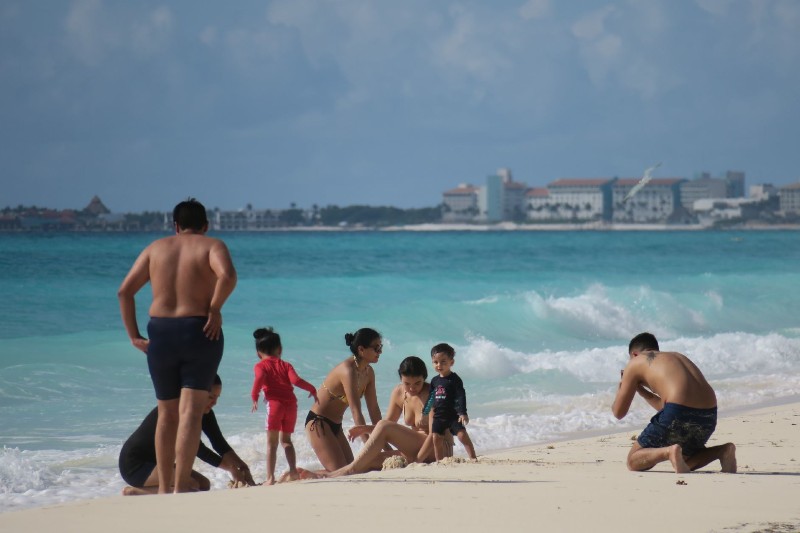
x: 190, y: 275
x: 673, y: 377
x: 182, y: 276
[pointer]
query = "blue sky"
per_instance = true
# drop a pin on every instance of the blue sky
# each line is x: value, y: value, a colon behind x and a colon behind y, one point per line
x: 385, y: 102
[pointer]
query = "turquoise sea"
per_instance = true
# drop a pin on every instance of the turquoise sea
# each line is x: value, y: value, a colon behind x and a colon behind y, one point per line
x: 540, y: 322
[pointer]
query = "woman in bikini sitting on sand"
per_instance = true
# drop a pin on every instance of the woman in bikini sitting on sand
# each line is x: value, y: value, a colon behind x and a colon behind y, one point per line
x: 409, y: 399
x: 344, y: 387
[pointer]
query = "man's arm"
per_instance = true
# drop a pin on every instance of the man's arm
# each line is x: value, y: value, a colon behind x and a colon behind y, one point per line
x: 137, y: 277
x: 625, y: 393
x: 653, y: 399
x: 222, y: 265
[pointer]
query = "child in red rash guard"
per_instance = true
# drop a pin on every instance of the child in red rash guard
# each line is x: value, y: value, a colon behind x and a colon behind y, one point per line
x: 277, y: 379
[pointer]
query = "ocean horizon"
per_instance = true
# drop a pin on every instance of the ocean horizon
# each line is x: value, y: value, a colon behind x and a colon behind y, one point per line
x: 540, y: 322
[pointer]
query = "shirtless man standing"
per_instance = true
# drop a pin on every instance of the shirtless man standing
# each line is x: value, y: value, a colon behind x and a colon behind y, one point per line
x: 191, y: 276
x: 686, y: 405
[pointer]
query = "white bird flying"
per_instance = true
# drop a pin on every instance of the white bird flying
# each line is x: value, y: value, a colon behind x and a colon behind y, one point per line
x: 648, y: 175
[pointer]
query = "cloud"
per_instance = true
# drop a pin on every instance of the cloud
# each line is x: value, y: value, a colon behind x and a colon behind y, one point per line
x: 621, y: 48
x: 92, y: 32
x: 592, y: 25
x: 599, y: 48
x: 774, y: 30
x: 87, y: 33
x: 209, y: 36
x: 469, y: 49
x: 151, y: 35
x: 788, y: 13
x: 715, y: 7
x: 535, y: 9
x: 374, y: 91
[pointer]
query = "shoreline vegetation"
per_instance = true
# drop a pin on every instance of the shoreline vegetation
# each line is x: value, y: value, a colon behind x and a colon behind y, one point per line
x: 561, y: 485
x: 434, y: 227
x: 513, y: 226
x: 97, y: 218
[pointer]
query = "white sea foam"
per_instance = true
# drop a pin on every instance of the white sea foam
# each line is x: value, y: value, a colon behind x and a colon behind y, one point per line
x: 723, y: 355
x: 602, y: 312
x: 593, y: 311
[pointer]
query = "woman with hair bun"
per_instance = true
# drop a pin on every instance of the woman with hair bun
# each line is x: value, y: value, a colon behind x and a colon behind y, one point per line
x: 343, y: 387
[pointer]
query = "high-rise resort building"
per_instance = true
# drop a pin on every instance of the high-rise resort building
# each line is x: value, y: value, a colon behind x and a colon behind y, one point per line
x: 579, y: 199
x: 490, y: 199
x: 500, y: 199
x: 763, y: 191
x: 734, y: 184
x: 538, y: 204
x: 790, y: 199
x: 701, y: 188
x: 247, y: 219
x: 460, y: 204
x: 574, y: 200
x: 654, y: 203
x: 704, y: 187
x: 514, y: 204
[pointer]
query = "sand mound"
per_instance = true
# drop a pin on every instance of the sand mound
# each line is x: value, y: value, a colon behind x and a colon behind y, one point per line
x: 395, y: 461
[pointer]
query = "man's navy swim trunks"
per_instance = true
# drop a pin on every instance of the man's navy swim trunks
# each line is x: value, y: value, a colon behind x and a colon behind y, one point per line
x: 181, y: 356
x: 676, y: 424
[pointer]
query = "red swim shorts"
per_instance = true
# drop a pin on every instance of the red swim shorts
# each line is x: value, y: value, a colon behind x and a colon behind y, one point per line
x: 281, y: 416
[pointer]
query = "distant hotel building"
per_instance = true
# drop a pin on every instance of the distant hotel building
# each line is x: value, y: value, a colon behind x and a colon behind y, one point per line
x: 704, y: 187
x: 660, y: 201
x: 460, y: 204
x: 654, y: 203
x: 572, y: 200
x: 790, y: 199
x: 247, y: 219
x: 513, y: 196
x: 500, y: 199
x: 763, y: 191
x: 490, y: 199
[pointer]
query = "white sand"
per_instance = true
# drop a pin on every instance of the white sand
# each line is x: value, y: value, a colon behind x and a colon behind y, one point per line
x: 578, y: 485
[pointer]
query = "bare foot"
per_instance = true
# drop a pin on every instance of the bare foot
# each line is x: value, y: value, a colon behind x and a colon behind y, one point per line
x: 135, y: 491
x: 290, y: 476
x: 677, y: 460
x: 308, y: 474
x: 728, y: 459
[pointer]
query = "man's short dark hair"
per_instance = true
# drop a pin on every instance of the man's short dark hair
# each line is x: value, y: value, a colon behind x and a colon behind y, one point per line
x: 643, y: 341
x: 443, y: 348
x: 190, y: 214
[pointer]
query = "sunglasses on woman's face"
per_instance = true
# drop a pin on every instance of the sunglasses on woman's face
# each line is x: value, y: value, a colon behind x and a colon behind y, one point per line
x: 378, y: 348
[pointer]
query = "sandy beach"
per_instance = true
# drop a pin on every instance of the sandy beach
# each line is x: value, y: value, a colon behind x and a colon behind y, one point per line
x: 575, y: 485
